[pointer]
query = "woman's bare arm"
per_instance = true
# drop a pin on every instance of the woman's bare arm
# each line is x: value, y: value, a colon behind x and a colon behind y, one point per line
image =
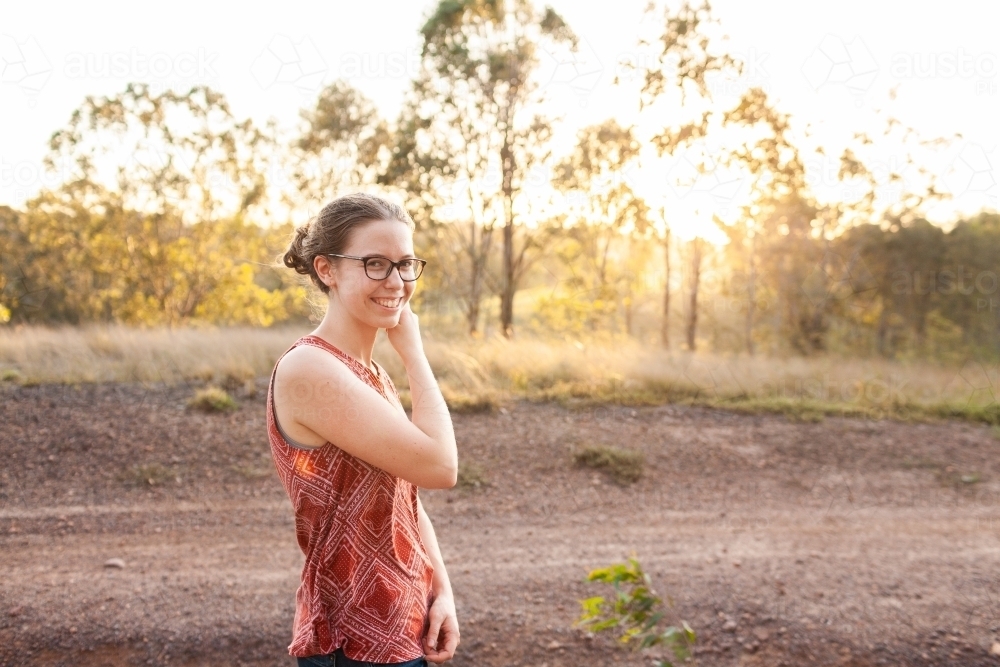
x: 442, y: 633
x: 325, y: 396
x: 441, y: 583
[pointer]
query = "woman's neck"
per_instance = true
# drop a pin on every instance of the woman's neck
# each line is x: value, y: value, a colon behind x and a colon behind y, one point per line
x: 347, y: 334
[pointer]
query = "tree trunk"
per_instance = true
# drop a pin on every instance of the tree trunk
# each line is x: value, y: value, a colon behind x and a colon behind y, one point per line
x: 751, y: 296
x: 628, y: 290
x: 507, y: 165
x: 881, y: 334
x: 665, y: 325
x: 478, y: 256
x: 692, y: 324
x: 472, y: 314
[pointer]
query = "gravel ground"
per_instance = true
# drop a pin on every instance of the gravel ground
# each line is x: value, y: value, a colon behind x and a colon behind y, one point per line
x: 839, y: 542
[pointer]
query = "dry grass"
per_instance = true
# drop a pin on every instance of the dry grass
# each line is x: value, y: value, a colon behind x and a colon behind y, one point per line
x: 100, y: 353
x: 477, y: 375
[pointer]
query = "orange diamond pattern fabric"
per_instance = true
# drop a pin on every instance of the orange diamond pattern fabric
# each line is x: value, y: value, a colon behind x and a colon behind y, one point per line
x: 366, y: 581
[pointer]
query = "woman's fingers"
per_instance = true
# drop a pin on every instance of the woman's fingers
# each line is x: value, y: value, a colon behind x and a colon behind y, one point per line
x: 441, y: 639
x: 431, y: 638
x: 450, y: 637
x: 447, y: 640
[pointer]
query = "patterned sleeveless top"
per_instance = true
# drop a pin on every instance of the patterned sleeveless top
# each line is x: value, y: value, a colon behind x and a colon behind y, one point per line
x: 366, y: 581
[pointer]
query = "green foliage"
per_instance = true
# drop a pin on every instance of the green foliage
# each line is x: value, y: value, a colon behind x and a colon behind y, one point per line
x: 634, y: 613
x: 600, y: 246
x: 212, y: 399
x: 625, y: 466
x: 573, y: 315
x: 150, y: 225
x: 124, y: 266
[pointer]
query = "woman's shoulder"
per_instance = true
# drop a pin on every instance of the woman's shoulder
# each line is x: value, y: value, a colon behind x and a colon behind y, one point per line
x: 306, y: 358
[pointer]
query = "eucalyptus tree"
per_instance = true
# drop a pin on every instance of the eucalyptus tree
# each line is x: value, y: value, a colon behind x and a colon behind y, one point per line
x: 343, y: 144
x: 683, y: 61
x: 603, y: 210
x: 444, y: 159
x: 479, y: 98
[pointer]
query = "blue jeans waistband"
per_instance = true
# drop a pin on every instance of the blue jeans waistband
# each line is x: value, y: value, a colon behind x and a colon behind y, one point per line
x: 338, y: 659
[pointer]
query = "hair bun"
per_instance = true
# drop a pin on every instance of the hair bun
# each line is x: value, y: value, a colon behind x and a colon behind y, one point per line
x: 295, y: 255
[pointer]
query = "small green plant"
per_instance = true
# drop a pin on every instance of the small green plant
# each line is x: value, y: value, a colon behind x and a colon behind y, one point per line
x: 470, y: 476
x: 624, y: 466
x: 635, y: 612
x: 10, y: 375
x: 212, y: 399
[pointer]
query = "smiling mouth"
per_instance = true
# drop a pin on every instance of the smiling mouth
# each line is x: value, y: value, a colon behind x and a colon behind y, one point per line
x: 389, y: 303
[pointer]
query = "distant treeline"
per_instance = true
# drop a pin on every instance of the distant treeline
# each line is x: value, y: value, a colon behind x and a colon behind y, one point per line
x: 913, y: 291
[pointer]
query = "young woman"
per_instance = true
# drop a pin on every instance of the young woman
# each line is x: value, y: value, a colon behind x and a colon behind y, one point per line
x: 374, y: 588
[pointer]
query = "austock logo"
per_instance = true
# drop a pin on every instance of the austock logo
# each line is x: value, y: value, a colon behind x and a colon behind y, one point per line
x: 286, y: 62
x: 697, y: 174
x: 973, y: 173
x: 580, y: 69
x: 24, y: 64
x: 835, y: 62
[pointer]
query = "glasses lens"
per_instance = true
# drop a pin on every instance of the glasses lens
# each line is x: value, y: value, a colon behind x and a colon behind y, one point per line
x: 408, y: 269
x: 377, y: 268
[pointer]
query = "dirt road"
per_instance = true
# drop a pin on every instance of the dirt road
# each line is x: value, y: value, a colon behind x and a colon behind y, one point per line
x: 839, y: 542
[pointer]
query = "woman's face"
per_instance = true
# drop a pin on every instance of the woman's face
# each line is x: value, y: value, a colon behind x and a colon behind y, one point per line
x: 377, y: 303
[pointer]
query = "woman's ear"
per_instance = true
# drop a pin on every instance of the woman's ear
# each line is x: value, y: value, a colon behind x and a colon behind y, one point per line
x: 325, y: 270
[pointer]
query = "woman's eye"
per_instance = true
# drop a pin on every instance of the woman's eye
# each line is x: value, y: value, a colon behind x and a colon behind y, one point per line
x: 377, y: 263
x: 406, y: 264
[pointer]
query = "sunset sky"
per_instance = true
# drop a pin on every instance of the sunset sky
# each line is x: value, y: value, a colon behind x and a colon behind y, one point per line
x: 830, y: 65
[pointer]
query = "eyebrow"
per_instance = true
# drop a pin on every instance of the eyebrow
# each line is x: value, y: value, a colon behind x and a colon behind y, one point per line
x: 403, y: 257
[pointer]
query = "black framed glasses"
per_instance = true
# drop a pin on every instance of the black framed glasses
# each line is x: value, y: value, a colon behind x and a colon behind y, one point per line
x: 379, y: 268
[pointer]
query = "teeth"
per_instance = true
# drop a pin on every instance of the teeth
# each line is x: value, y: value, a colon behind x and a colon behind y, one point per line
x: 388, y: 303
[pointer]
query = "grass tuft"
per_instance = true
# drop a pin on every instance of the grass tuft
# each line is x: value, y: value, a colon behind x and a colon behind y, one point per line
x: 470, y: 476
x: 459, y: 402
x: 623, y: 465
x: 151, y: 474
x: 212, y: 399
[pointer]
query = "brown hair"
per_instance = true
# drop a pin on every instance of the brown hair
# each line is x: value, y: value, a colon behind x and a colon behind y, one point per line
x: 330, y: 231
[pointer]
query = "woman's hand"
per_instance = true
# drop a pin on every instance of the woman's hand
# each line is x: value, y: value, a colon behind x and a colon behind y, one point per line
x: 405, y: 336
x: 442, y: 633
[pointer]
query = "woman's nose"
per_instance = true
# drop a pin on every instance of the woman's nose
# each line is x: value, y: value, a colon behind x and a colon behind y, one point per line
x: 394, y: 279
